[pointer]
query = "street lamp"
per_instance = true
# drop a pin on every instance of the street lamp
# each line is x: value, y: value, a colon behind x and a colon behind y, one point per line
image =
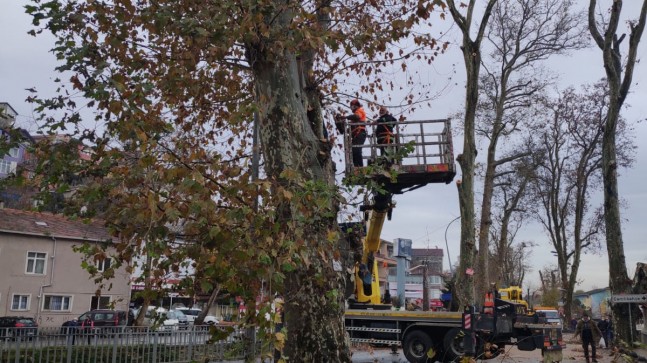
x: 447, y: 244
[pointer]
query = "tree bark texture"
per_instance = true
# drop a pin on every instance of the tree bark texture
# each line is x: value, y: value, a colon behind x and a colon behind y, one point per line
x: 199, y: 320
x: 313, y: 316
x: 486, y: 217
x: 314, y: 299
x: 619, y: 84
x: 472, y: 57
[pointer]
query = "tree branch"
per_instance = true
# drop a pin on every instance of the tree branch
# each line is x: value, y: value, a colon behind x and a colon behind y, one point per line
x: 593, y: 27
x: 634, y: 39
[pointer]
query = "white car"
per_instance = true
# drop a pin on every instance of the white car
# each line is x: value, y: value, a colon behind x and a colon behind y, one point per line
x: 161, y: 319
x: 192, y: 314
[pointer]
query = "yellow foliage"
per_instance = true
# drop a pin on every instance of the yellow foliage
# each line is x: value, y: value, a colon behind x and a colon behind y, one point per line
x: 431, y: 353
x: 279, y: 344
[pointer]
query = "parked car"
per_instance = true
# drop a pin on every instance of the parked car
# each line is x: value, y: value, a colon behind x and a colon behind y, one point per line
x: 182, y: 319
x: 12, y: 327
x: 192, y: 314
x: 161, y: 319
x: 100, y: 319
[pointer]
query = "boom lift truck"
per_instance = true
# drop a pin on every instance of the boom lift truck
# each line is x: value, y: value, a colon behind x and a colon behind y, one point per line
x: 431, y: 161
x: 423, y: 335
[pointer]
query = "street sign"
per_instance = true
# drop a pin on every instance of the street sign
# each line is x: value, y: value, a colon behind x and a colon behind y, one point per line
x: 636, y: 298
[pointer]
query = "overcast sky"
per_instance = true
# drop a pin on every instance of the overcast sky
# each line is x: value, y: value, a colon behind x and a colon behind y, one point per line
x: 422, y: 215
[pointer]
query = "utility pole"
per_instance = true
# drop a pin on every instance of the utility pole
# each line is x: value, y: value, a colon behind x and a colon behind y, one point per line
x: 425, y: 286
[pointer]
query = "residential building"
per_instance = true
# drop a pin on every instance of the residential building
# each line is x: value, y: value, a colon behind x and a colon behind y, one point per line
x: 41, y: 275
x: 64, y: 147
x: 433, y: 258
x: 413, y: 284
x: 7, y: 115
x: 9, y: 162
x: 14, y: 158
x: 385, y: 261
x: 595, y: 301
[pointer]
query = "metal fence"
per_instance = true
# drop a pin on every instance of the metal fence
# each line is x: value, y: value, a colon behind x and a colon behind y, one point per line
x: 120, y: 345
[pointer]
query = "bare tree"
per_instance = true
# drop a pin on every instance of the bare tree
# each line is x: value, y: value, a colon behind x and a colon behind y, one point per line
x: 510, y: 199
x: 472, y: 56
x: 568, y: 174
x: 609, y: 42
x: 522, y: 33
x: 516, y: 264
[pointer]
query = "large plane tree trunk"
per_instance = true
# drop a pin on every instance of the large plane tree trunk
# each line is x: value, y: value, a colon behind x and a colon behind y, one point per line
x: 295, y: 161
x: 609, y: 42
x: 467, y: 160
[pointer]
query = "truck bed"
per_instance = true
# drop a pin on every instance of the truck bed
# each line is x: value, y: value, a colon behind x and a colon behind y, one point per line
x: 445, y: 317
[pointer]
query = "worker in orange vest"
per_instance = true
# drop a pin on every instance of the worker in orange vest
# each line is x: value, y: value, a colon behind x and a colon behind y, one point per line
x: 358, y: 132
x: 488, y: 305
x: 384, y: 129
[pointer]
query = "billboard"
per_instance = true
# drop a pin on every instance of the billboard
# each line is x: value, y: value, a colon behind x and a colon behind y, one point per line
x: 403, y: 248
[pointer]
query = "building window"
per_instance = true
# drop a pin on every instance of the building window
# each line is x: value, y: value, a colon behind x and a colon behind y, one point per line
x: 103, y: 265
x: 57, y: 303
x: 100, y: 302
x: 13, y: 152
x: 36, y: 262
x: 20, y: 302
x: 7, y: 167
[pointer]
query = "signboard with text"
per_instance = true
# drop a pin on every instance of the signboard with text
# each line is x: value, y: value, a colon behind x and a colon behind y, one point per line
x: 629, y: 298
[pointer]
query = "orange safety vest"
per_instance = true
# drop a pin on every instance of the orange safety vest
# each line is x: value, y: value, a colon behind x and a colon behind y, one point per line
x: 384, y: 128
x: 488, y: 305
x: 357, y: 129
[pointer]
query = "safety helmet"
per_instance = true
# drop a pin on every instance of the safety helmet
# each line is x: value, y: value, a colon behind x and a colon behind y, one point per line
x: 355, y: 102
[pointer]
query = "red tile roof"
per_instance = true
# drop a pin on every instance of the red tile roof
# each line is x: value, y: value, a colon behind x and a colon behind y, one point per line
x: 48, y: 224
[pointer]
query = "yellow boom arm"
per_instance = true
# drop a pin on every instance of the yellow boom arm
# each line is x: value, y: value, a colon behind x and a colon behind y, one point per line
x: 370, y: 292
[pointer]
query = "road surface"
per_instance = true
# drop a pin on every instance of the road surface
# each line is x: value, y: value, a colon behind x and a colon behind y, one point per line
x: 572, y: 354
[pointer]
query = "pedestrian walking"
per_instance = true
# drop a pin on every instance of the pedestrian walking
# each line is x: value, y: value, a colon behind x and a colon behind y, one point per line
x: 604, y: 329
x: 590, y: 334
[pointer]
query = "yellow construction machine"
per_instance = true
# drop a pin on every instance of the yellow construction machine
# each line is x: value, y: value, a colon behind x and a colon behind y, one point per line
x: 420, y: 153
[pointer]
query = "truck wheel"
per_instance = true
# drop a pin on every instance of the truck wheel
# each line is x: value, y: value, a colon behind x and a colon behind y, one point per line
x: 417, y: 345
x: 453, y: 343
